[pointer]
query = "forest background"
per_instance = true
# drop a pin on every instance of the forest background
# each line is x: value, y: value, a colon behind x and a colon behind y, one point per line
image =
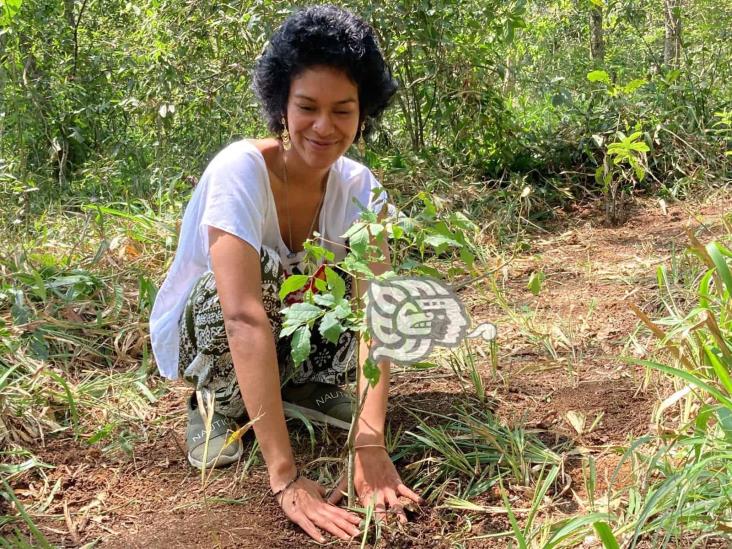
x: 512, y: 112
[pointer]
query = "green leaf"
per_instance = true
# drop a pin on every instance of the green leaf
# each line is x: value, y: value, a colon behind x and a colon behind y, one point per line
x: 640, y: 173
x: 69, y: 398
x: 292, y: 284
x: 320, y: 285
x: 357, y: 266
x: 359, y: 240
x: 371, y: 371
x: 606, y: 535
x: 719, y: 368
x: 683, y: 374
x: 330, y: 327
x: 39, y: 346
x: 424, y: 365
x: 725, y: 421
x: 428, y: 271
x: 301, y: 313
x: 722, y: 268
x: 100, y: 434
x: 633, y: 85
x: 343, y: 309
x: 300, y: 345
x: 640, y: 147
x: 599, y: 76
x: 288, y: 329
x: 535, y: 282
x: 324, y: 300
x: 319, y: 253
x: 439, y: 240
x: 10, y: 9
x: 394, y: 231
x: 376, y: 229
x: 336, y: 283
x: 467, y: 257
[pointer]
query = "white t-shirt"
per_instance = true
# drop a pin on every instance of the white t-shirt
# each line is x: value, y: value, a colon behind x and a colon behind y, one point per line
x: 235, y: 195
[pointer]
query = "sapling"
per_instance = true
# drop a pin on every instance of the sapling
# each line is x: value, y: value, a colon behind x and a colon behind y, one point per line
x: 411, y: 240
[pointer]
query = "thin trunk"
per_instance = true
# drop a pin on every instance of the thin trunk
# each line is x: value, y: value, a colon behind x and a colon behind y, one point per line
x: 597, y: 40
x: 69, y: 13
x: 509, y: 76
x: 672, y: 39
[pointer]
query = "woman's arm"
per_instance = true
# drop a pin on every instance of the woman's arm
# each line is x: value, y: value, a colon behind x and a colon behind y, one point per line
x: 236, y: 267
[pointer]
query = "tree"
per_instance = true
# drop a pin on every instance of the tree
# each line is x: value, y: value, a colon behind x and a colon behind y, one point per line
x: 597, y: 40
x: 672, y: 39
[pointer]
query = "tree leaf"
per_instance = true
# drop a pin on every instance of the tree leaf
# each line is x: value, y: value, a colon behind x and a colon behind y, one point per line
x: 359, y: 240
x: 300, y: 345
x: 320, y: 284
x: 325, y: 300
x: 535, y: 282
x: 336, y: 283
x: 599, y: 76
x: 292, y: 284
x: 371, y: 371
x: 343, y: 309
x: 300, y: 313
x: 330, y: 327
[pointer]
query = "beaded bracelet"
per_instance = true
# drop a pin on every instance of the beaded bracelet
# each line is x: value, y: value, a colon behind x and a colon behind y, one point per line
x: 286, y: 486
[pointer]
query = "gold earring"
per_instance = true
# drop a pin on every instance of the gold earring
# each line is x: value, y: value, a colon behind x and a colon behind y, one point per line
x: 285, y: 136
x: 362, y: 140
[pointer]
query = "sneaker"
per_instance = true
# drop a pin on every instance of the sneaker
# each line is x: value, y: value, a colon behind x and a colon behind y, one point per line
x: 219, y: 453
x: 320, y: 402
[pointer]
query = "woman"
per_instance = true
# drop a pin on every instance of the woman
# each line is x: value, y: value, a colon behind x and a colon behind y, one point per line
x: 321, y: 81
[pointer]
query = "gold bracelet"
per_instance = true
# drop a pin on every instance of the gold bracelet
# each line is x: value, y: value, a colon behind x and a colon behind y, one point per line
x: 371, y: 446
x: 282, y: 490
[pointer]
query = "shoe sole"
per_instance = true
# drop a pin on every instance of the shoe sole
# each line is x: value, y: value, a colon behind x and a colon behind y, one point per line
x: 215, y: 463
x: 295, y: 411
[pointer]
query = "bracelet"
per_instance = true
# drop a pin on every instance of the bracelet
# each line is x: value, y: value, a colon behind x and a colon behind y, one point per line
x: 371, y: 446
x: 282, y: 490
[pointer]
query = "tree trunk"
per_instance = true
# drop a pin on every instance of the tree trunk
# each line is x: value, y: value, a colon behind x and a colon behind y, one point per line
x: 672, y: 39
x: 69, y: 13
x: 597, y: 41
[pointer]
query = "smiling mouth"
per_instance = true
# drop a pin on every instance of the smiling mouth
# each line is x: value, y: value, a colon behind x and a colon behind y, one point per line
x: 321, y: 144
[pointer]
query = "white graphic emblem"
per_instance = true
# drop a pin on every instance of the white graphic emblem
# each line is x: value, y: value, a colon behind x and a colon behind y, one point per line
x: 409, y: 316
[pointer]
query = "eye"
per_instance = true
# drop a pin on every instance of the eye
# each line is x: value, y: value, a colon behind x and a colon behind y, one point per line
x: 306, y: 108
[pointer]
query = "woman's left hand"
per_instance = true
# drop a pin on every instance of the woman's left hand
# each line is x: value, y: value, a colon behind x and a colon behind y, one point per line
x: 376, y: 480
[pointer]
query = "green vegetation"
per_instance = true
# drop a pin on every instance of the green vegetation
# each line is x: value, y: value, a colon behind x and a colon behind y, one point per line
x: 507, y: 113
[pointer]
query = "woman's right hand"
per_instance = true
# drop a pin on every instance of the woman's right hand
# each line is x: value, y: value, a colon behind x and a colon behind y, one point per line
x: 303, y: 503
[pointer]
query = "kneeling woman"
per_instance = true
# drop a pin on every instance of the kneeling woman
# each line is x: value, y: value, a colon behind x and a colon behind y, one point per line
x: 321, y: 81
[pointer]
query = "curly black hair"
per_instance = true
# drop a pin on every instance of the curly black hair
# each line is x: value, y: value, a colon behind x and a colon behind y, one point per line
x: 327, y: 36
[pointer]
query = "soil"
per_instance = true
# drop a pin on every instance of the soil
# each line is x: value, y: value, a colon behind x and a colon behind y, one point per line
x: 558, y: 373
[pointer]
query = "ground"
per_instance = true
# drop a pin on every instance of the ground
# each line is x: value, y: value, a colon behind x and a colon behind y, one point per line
x: 558, y: 366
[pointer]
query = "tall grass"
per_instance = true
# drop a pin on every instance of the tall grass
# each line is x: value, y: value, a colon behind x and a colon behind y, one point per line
x: 689, y: 475
x: 76, y: 286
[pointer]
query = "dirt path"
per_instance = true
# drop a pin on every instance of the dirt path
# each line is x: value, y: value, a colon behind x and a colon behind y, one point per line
x: 558, y: 359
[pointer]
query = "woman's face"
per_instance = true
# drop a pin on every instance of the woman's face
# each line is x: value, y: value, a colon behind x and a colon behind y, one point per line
x: 322, y: 115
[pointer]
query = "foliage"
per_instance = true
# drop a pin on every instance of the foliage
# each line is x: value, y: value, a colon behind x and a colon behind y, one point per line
x: 693, y: 468
x: 109, y: 111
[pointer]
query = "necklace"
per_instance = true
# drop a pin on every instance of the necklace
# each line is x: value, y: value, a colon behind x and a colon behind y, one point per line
x: 292, y: 254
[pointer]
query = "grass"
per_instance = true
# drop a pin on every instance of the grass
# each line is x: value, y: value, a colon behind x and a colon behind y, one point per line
x: 77, y: 284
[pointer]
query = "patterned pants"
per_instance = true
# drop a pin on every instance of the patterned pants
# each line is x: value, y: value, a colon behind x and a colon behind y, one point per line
x: 205, y: 359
